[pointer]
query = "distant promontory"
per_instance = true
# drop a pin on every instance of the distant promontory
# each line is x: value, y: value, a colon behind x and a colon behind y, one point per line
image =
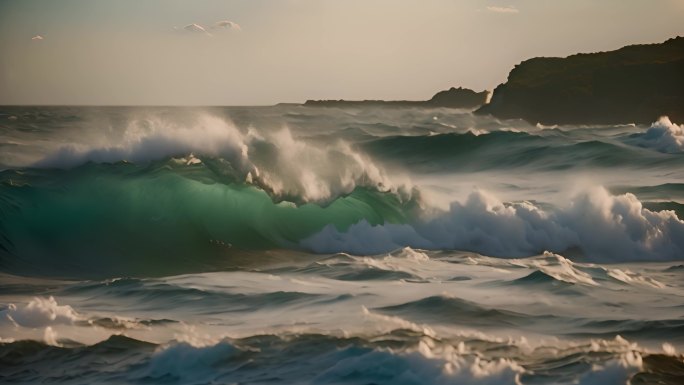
x: 634, y: 84
x: 451, y: 98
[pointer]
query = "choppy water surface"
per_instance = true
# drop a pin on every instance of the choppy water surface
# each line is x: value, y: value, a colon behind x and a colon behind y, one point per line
x: 292, y: 244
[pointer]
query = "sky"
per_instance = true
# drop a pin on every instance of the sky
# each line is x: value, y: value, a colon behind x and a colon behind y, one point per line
x: 260, y: 52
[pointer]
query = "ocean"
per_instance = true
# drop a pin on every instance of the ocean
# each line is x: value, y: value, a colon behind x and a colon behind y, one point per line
x: 320, y: 245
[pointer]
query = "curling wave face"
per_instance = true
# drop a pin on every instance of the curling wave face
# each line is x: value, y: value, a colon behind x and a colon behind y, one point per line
x: 276, y: 162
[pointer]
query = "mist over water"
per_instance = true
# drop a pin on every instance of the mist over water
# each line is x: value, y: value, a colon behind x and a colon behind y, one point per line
x: 373, y: 245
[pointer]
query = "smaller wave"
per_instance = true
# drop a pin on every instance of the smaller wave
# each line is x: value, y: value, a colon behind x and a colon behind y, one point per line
x: 663, y: 135
x: 354, y: 271
x: 663, y: 329
x: 146, y: 293
x: 553, y: 269
x: 403, y: 264
x: 562, y: 269
x: 184, y: 362
x: 630, y: 278
x: 675, y: 268
x: 536, y: 277
x: 450, y: 310
x: 477, y: 150
x: 119, y: 342
x: 443, y: 150
x: 383, y: 366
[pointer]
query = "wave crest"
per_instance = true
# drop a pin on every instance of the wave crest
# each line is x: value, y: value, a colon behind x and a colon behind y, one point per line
x: 39, y: 312
x: 276, y: 161
x: 603, y: 227
x: 663, y: 136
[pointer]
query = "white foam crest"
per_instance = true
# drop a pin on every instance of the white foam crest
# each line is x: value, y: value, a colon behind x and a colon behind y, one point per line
x: 616, y: 345
x: 562, y: 269
x: 429, y: 361
x: 664, y: 136
x: 191, y: 336
x: 387, y: 323
x: 153, y: 138
x: 38, y: 313
x: 545, y: 127
x: 276, y: 161
x: 630, y: 277
x: 669, y: 349
x: 405, y: 260
x: 50, y: 337
x: 608, y: 228
x: 411, y: 254
x: 478, y: 131
x: 316, y: 173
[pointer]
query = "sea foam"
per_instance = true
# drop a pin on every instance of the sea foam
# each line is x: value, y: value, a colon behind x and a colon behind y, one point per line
x: 39, y: 312
x: 663, y: 136
x: 275, y: 160
x: 604, y: 227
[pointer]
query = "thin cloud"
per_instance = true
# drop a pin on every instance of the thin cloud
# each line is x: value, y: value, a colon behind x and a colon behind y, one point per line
x: 509, y: 9
x: 201, y: 29
x: 196, y: 28
x: 227, y: 24
x: 37, y: 37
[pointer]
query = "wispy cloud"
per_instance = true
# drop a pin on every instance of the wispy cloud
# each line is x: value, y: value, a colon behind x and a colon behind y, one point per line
x: 509, y: 9
x: 196, y: 28
x: 204, y: 30
x: 227, y: 24
x: 37, y: 37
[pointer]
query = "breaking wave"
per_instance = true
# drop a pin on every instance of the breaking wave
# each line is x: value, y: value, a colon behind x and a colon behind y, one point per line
x: 601, y: 226
x: 202, y: 193
x: 134, y: 218
x: 276, y: 161
x: 663, y: 136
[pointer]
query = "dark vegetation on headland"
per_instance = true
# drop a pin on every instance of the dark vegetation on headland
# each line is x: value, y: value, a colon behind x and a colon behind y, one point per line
x: 634, y: 84
x: 451, y: 98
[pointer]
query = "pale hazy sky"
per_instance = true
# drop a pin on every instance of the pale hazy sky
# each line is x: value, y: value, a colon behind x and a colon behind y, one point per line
x: 127, y: 52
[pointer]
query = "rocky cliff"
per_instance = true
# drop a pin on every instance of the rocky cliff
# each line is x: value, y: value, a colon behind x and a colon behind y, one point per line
x: 634, y: 84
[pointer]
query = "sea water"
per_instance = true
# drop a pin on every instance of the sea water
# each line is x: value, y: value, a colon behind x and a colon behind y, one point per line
x: 312, y: 245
